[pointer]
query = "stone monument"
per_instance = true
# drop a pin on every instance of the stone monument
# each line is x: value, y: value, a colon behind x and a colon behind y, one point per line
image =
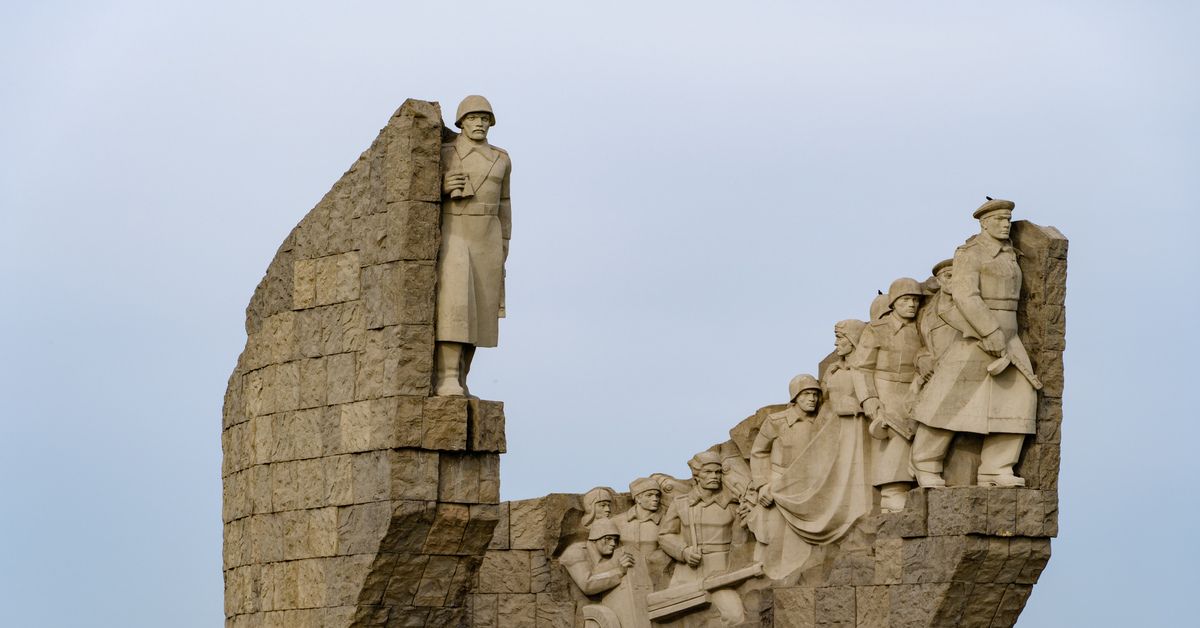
x: 914, y: 483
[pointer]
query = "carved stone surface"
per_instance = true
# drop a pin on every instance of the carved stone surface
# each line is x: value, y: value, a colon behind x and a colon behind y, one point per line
x: 356, y: 496
x: 963, y: 555
x: 351, y: 495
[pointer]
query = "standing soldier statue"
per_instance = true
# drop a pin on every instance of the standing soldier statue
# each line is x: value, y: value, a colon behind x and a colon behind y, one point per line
x: 476, y: 227
x: 984, y: 383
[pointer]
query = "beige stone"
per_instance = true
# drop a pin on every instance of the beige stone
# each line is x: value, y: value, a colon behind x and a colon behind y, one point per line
x: 871, y: 607
x: 414, y: 474
x: 435, y: 581
x: 445, y: 424
x: 486, y: 426
x: 478, y: 534
x: 463, y: 581
x: 505, y: 572
x: 889, y: 560
x: 409, y: 526
x: 835, y: 605
x: 552, y: 613
x: 795, y: 607
x: 407, y: 230
x: 516, y: 610
x: 958, y: 510
x: 1051, y: 506
x: 399, y: 293
x: 500, y: 534
x: 484, y: 610
x: 1039, y: 555
x: 446, y: 534
x: 362, y: 526
x: 1002, y: 512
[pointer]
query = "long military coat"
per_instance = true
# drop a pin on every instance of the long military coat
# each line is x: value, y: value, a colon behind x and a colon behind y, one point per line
x: 961, y: 396
x: 476, y: 227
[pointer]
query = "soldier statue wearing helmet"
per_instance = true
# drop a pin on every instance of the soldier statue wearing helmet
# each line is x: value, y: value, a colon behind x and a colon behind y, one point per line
x: 883, y: 367
x: 983, y: 383
x: 476, y: 227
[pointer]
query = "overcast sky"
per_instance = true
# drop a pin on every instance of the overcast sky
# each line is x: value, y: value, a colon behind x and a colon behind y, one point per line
x: 700, y: 191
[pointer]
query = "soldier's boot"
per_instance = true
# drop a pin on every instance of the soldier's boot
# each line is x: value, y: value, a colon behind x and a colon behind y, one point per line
x: 449, y: 361
x: 468, y: 354
x: 892, y: 496
x: 999, y: 455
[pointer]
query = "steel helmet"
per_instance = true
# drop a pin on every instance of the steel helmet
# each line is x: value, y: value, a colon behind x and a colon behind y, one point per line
x: 903, y: 286
x: 473, y: 104
x: 603, y: 528
x: 801, y: 383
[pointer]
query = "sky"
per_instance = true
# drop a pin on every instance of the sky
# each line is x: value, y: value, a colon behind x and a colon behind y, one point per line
x: 700, y: 191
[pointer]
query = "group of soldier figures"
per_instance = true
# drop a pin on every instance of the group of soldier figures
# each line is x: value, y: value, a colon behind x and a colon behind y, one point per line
x: 938, y: 357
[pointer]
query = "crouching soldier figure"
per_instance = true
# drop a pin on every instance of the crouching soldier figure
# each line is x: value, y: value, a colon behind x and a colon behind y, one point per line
x: 599, y: 568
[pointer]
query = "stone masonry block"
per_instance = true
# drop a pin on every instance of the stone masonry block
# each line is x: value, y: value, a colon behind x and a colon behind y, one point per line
x: 463, y: 581
x: 1050, y: 371
x: 889, y: 560
x: 444, y: 423
x: 505, y: 572
x: 537, y: 523
x: 1019, y: 549
x: 795, y: 607
x: 446, y: 534
x: 361, y: 527
x: 478, y: 534
x: 958, y: 510
x: 835, y: 605
x: 407, y: 230
x: 413, y: 154
x: 486, y: 426
x: 1048, y: 468
x: 552, y: 613
x: 500, y: 539
x: 414, y: 474
x: 409, y: 527
x: 1031, y: 512
x: 517, y: 610
x: 871, y: 607
x: 910, y: 522
x: 932, y: 559
x: 483, y: 610
x: 1039, y: 555
x: 435, y: 582
x: 1051, y: 506
x: 399, y: 293
x: 405, y: 579
x: 1001, y: 511
x: 1011, y: 605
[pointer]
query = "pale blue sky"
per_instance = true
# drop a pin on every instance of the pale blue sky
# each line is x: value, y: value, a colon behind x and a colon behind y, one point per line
x: 700, y: 191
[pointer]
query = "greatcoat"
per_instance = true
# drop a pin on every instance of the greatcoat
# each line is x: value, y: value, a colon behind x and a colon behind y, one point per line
x: 476, y: 227
x: 961, y: 396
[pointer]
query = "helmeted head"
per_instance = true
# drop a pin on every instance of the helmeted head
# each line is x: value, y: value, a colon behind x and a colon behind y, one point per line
x: 995, y: 217
x: 801, y: 383
x: 880, y: 306
x: 846, y: 335
x: 597, y: 504
x: 474, y: 104
x: 605, y: 536
x: 904, y: 297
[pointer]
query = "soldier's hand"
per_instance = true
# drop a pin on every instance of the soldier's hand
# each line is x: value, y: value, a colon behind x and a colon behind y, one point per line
x: 453, y: 181
x: 743, y: 510
x: 691, y: 556
x: 764, y: 496
x: 627, y: 560
x: 993, y: 343
x: 878, y: 429
x: 871, y: 408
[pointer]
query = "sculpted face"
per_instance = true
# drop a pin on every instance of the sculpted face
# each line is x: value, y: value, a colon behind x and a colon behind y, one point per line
x: 944, y: 276
x: 603, y: 509
x: 842, y: 344
x: 997, y: 225
x: 807, y: 400
x: 475, y: 125
x: 607, y: 545
x: 709, y: 476
x: 649, y: 500
x: 906, y: 306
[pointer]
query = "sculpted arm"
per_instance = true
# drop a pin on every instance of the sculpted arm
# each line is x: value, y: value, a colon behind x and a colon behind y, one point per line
x: 760, y: 454
x: 575, y: 560
x: 965, y: 289
x: 862, y: 372
x: 670, y: 534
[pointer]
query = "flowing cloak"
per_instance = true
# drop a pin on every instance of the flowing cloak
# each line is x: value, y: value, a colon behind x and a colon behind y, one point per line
x: 961, y: 396
x: 825, y: 490
x: 475, y: 230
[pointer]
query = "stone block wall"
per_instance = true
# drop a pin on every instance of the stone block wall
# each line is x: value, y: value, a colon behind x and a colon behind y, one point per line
x: 351, y: 496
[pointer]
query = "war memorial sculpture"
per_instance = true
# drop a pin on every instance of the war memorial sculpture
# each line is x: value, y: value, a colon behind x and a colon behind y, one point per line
x: 910, y: 479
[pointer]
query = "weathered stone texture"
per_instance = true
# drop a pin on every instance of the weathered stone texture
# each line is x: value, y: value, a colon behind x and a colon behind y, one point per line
x: 343, y: 504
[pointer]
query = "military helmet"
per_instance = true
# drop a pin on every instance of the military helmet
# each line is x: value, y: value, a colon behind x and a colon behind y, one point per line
x: 603, y: 528
x: 473, y: 104
x: 903, y: 286
x: 851, y: 328
x: 801, y: 383
x: 879, y: 306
